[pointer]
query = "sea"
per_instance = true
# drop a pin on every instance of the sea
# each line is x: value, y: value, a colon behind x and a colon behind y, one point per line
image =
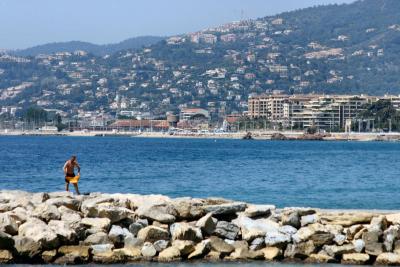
x: 337, y: 175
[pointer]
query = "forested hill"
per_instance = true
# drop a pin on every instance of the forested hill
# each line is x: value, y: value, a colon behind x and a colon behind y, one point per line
x: 344, y: 49
x: 101, y: 50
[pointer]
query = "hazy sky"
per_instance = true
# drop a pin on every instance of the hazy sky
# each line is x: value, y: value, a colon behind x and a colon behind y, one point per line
x: 24, y: 23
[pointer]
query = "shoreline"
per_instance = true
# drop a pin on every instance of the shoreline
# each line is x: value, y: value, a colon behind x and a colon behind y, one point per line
x: 256, y: 135
x: 62, y: 228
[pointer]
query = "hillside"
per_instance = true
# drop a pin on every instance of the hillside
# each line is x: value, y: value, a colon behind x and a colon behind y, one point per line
x: 100, y: 50
x: 344, y: 49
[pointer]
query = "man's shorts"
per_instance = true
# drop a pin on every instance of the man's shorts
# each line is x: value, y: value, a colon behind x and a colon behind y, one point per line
x: 71, y: 178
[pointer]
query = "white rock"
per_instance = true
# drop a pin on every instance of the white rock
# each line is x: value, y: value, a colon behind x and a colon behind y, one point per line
x: 148, y: 250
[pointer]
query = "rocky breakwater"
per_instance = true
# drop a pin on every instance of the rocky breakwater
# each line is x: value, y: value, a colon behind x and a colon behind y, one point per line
x: 116, y: 228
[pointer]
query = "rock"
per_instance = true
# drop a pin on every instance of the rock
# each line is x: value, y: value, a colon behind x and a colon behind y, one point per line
x: 20, y: 215
x: 6, y: 241
x: 63, y: 231
x: 163, y: 213
x: 300, y: 250
x: 389, y: 236
x: 135, y: 227
x: 46, y: 212
x: 188, y: 208
x: 132, y: 242
x: 319, y: 258
x: 322, y: 238
x: 39, y: 232
x: 8, y: 224
x: 39, y: 198
x: 388, y: 259
x: 152, y: 234
x: 219, y: 245
x: 81, y: 253
x: 275, y: 238
x: 272, y: 253
x: 48, y: 256
x: 359, y: 245
x: 5, y: 256
x: 339, y: 239
x: 160, y: 245
x: 226, y: 230
x: 213, y: 256
x: 90, y: 205
x: 378, y: 223
x: 200, y: 250
x: 127, y: 254
x: 288, y: 230
x: 68, y: 259
x: 185, y: 247
x: 148, y: 250
x: 291, y: 218
x: 253, y: 211
x: 353, y: 230
x: 117, y: 234
x: 393, y: 218
x: 97, y: 239
x: 169, y: 254
x: 372, y: 245
x: 252, y: 229
x: 206, y: 224
x: 71, y: 203
x: 245, y: 254
x: 334, y: 250
x: 355, y: 258
x: 225, y: 209
x: 303, y: 234
x: 109, y: 211
x: 345, y: 218
x: 309, y: 219
x: 183, y: 231
x: 257, y: 244
x: 26, y: 247
x: 97, y: 223
x: 103, y: 253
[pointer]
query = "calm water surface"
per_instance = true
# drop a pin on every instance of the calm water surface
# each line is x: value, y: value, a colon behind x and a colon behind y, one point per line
x: 318, y: 174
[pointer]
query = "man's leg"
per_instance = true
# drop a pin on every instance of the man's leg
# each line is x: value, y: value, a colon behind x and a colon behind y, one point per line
x: 76, y: 188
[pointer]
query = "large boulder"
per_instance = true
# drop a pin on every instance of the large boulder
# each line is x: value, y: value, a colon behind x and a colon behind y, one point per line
x: 225, y: 209
x: 355, y: 258
x: 110, y: 211
x: 71, y: 203
x: 97, y: 223
x: 40, y: 232
x: 252, y: 229
x: 118, y: 234
x: 102, y: 253
x: 46, y: 212
x: 227, y: 230
x: 169, y: 254
x: 393, y: 218
x: 292, y: 218
x: 388, y: 259
x: 207, y: 224
x: 309, y: 219
x: 148, y: 250
x: 390, y: 235
x: 188, y: 208
x: 219, y: 245
x: 185, y: 247
x: 82, y: 253
x: 335, y: 251
x: 26, y: 247
x: 6, y: 241
x: 276, y: 238
x: 372, y: 244
x: 184, y: 231
x: 160, y: 245
x: 63, y: 230
x: 163, y: 213
x: 48, y: 256
x: 89, y: 206
x: 8, y: 224
x: 97, y: 239
x: 200, y: 250
x: 271, y: 253
x: 346, y: 218
x: 6, y: 256
x: 300, y: 250
x: 253, y: 211
x: 152, y: 234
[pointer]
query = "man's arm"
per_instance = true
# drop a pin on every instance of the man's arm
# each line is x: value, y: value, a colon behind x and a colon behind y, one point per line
x: 78, y: 167
x: 65, y: 168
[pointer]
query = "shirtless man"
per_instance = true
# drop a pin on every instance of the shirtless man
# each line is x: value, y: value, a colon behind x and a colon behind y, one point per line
x: 69, y: 167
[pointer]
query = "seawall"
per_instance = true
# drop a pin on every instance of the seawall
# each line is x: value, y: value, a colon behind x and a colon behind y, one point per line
x: 61, y: 228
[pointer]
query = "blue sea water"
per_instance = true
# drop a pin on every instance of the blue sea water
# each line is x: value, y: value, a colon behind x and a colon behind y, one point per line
x: 285, y: 173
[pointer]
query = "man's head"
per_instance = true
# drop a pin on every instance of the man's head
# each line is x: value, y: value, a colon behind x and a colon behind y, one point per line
x: 73, y: 158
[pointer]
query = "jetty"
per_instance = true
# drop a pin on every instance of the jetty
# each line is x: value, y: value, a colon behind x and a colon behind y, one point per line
x: 62, y: 228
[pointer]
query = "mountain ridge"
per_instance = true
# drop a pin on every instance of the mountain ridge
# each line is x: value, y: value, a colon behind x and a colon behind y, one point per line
x: 96, y: 49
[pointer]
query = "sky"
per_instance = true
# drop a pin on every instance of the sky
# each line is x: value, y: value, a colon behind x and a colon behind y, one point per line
x: 25, y: 23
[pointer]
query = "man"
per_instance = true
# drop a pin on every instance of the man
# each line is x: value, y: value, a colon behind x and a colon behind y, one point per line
x: 70, y: 177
